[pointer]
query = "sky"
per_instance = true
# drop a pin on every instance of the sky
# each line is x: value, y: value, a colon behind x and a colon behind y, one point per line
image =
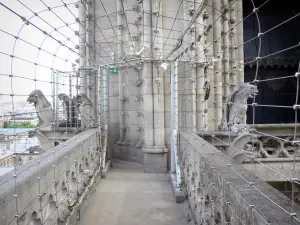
x: 25, y: 50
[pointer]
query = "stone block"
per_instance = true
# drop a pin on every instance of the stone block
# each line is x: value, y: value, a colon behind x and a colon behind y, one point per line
x: 155, y: 159
x: 114, y: 103
x: 114, y: 116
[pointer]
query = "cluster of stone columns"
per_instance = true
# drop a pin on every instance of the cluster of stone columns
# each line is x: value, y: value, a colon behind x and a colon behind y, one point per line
x: 87, y: 71
x: 211, y: 47
x: 218, y: 63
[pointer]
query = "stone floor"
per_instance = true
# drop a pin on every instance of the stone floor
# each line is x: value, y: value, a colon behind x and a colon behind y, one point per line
x: 130, y: 197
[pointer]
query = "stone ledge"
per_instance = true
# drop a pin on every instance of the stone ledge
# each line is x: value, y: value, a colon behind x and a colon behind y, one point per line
x: 107, y: 167
x: 177, y: 191
x: 218, y: 183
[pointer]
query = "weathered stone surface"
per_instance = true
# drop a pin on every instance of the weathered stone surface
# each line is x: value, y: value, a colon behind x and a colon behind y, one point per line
x: 43, y: 108
x: 48, y: 188
x: 234, y: 112
x: 87, y: 110
x: 220, y: 192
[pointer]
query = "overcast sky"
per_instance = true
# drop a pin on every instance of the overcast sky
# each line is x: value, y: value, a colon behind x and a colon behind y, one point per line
x: 24, y: 72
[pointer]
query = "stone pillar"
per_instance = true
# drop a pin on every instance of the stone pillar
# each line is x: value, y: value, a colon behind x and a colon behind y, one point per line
x: 218, y: 84
x: 92, y: 84
x: 120, y: 74
x: 233, y: 52
x: 239, y: 35
x: 155, y: 152
x: 225, y: 48
x: 82, y: 47
x: 209, y: 106
x: 189, y: 68
x: 200, y: 79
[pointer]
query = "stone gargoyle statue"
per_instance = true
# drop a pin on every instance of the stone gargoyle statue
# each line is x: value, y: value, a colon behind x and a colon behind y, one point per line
x: 87, y: 111
x: 70, y: 111
x: 45, y: 143
x: 43, y: 108
x: 66, y: 105
x: 235, y: 110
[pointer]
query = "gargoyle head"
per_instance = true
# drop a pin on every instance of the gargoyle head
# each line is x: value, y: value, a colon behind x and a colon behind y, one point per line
x: 247, y: 91
x: 34, y: 96
x: 63, y: 97
x: 82, y: 99
x: 32, y: 133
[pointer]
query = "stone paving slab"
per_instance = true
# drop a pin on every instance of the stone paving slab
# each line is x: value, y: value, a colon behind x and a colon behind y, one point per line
x: 130, y: 197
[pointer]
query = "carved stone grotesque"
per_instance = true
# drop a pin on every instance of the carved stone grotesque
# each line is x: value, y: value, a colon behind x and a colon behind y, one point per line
x: 66, y: 105
x: 43, y: 108
x: 34, y: 149
x: 45, y: 143
x: 87, y: 110
x: 234, y: 113
x: 70, y: 111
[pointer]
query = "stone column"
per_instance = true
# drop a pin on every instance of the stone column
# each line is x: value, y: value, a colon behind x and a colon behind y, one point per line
x: 225, y: 49
x: 190, y: 68
x: 209, y: 106
x: 82, y: 47
x: 200, y: 79
x: 120, y: 73
x: 155, y: 157
x: 218, y: 84
x: 238, y: 7
x: 90, y: 17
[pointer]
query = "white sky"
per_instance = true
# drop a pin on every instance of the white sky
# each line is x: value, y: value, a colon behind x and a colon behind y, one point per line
x: 14, y: 25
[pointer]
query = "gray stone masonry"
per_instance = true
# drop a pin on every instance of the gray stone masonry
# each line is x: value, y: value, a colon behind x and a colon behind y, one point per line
x: 219, y: 192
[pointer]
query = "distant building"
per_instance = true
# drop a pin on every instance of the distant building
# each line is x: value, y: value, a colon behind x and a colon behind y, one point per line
x: 7, y: 109
x: 21, y: 118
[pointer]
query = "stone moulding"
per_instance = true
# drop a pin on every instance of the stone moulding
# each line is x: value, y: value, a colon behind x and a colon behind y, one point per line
x: 66, y: 172
x: 263, y: 146
x: 217, y: 194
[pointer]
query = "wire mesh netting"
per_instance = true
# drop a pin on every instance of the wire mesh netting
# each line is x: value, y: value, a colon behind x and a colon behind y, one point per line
x: 55, y: 57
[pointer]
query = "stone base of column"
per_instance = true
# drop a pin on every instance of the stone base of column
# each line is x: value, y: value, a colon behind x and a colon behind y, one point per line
x: 155, y: 159
x: 139, y: 144
x: 127, y: 153
x: 120, y: 142
x: 126, y: 142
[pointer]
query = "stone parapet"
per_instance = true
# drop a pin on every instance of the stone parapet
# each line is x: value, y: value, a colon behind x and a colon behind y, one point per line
x: 52, y: 187
x: 223, y: 193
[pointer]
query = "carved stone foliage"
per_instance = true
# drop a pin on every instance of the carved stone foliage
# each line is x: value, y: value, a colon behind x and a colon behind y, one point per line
x: 56, y: 186
x: 269, y: 147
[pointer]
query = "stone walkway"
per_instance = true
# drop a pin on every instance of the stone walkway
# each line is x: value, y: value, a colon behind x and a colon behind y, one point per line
x: 130, y: 197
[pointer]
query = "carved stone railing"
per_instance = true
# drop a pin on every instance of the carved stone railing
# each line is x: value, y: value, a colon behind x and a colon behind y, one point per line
x: 267, y: 146
x: 222, y: 193
x: 50, y: 189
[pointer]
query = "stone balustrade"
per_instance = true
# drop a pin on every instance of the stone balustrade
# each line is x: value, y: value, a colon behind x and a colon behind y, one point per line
x: 221, y: 193
x: 50, y: 189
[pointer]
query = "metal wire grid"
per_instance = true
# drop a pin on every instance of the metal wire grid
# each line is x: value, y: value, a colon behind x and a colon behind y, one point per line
x: 65, y: 184
x: 191, y: 58
x: 191, y: 104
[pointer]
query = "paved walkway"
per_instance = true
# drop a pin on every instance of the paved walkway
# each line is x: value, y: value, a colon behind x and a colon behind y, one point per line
x: 130, y: 197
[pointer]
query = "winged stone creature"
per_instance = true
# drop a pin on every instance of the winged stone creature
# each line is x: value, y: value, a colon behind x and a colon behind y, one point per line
x: 66, y: 105
x: 45, y: 143
x: 235, y: 110
x: 87, y: 111
x: 43, y: 108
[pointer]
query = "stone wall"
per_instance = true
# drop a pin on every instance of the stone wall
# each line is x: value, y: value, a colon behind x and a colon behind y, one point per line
x: 219, y: 192
x: 49, y: 190
x: 140, y: 115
